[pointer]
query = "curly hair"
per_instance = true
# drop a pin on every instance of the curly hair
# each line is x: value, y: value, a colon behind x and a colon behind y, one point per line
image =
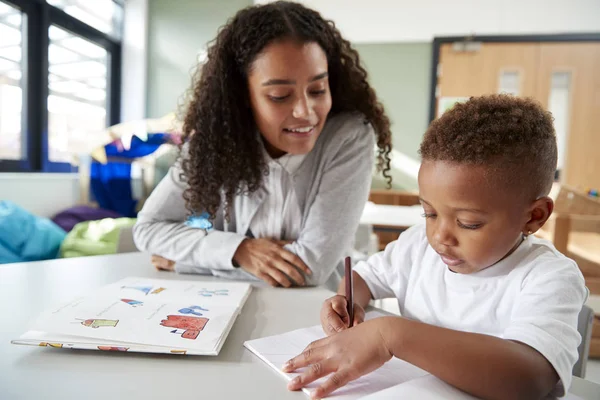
x: 513, y: 136
x: 224, y: 158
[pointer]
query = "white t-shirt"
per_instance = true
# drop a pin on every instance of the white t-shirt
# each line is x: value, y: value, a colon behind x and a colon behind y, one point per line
x: 279, y: 216
x: 533, y: 296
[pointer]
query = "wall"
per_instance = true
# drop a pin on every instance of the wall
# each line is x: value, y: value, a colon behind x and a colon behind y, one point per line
x: 399, y: 73
x: 419, y: 21
x: 39, y: 193
x: 134, y: 60
x: 177, y: 32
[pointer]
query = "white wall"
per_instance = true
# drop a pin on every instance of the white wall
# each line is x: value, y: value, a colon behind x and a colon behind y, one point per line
x: 134, y: 64
x: 381, y: 21
x: 39, y: 193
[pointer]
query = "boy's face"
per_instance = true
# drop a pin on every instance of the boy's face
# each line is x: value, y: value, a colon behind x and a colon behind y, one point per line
x: 472, y: 221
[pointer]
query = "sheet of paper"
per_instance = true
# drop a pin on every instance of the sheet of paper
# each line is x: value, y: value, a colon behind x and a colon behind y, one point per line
x: 276, y: 350
x: 425, y: 388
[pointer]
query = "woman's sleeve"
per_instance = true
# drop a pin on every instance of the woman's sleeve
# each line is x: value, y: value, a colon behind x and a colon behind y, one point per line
x: 333, y: 217
x: 161, y: 230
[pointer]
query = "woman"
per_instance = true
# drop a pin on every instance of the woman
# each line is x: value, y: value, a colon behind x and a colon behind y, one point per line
x: 277, y: 166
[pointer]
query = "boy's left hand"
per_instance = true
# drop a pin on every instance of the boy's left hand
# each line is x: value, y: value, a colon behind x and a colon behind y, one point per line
x: 347, y: 356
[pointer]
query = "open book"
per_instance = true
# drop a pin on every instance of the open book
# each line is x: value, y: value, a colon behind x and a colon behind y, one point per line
x: 396, y: 379
x: 144, y: 315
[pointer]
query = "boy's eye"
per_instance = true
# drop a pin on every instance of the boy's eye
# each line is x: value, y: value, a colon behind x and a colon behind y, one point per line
x: 318, y: 92
x: 468, y: 226
x: 428, y: 215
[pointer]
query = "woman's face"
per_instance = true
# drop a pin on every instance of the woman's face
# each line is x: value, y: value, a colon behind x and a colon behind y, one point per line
x: 289, y: 95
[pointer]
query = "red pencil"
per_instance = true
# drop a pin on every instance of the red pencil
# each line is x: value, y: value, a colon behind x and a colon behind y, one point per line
x: 349, y: 292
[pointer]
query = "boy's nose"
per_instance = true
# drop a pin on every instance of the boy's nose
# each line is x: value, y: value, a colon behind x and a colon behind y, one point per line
x: 444, y: 236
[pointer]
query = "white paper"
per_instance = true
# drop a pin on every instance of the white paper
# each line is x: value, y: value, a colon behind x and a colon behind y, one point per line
x: 276, y: 350
x: 425, y: 388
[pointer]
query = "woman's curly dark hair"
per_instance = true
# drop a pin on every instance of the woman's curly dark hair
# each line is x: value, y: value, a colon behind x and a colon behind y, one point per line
x: 224, y: 158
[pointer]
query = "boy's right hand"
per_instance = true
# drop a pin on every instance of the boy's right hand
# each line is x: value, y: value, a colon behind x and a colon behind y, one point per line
x: 334, y: 315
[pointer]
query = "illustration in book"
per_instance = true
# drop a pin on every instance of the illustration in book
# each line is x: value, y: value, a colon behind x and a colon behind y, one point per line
x: 97, y: 323
x: 133, y: 303
x: 191, y: 326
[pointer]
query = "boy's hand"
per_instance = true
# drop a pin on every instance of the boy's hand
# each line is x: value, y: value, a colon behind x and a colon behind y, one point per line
x: 162, y: 264
x: 347, y: 356
x: 334, y: 315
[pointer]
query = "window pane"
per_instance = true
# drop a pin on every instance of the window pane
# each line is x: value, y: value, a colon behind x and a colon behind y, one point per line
x: 11, y: 42
x: 77, y: 102
x: 559, y: 105
x: 104, y: 15
x: 509, y: 82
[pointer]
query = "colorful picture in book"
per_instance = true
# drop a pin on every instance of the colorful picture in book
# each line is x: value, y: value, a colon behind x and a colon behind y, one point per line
x: 144, y: 289
x: 112, y: 348
x: 55, y: 345
x: 211, y: 293
x: 158, y: 290
x: 97, y: 323
x: 133, y: 303
x: 188, y: 327
x: 194, y: 310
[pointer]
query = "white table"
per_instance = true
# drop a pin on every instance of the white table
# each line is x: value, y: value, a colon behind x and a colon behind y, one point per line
x: 46, y: 373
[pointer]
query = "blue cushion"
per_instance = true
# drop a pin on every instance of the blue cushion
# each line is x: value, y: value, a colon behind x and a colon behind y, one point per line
x: 26, y: 237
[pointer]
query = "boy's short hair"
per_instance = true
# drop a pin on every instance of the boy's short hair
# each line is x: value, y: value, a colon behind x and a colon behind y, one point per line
x: 514, y: 136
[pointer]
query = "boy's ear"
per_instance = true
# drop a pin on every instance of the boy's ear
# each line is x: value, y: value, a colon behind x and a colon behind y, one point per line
x: 540, y: 211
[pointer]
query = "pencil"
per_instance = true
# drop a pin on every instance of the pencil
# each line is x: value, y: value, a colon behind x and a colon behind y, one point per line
x: 349, y: 292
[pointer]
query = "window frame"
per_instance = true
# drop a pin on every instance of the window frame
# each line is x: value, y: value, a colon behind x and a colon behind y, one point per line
x: 38, y: 17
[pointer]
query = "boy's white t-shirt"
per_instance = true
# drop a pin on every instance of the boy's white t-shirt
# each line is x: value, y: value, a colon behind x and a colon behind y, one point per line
x: 533, y: 296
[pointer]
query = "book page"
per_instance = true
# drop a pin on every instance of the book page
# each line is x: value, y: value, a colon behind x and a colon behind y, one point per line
x: 192, y: 315
x: 276, y: 350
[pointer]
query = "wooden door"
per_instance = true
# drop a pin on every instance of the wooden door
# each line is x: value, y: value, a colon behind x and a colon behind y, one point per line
x: 580, y: 64
x: 537, y: 67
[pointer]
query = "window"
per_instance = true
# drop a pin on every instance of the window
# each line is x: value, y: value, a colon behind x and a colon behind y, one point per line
x: 59, y: 80
x: 104, y: 15
x: 77, y: 94
x: 11, y: 98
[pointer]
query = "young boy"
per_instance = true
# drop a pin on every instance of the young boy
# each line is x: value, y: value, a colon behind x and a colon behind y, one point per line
x: 485, y: 306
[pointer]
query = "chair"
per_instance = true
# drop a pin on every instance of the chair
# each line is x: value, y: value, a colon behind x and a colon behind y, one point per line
x: 574, y: 228
x: 584, y: 327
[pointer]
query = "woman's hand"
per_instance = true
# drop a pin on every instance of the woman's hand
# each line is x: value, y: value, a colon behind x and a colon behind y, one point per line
x: 334, y: 315
x: 269, y: 261
x: 347, y: 356
x: 162, y: 264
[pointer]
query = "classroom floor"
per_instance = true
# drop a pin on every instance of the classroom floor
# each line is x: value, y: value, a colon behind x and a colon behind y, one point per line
x: 593, y: 365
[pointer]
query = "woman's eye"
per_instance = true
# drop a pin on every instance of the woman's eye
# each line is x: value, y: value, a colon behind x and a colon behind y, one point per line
x: 278, y: 98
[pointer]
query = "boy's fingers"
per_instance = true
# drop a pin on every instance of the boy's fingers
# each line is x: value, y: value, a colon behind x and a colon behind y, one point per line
x: 334, y: 382
x: 359, y: 316
x: 313, y: 353
x: 312, y: 373
x: 335, y: 323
